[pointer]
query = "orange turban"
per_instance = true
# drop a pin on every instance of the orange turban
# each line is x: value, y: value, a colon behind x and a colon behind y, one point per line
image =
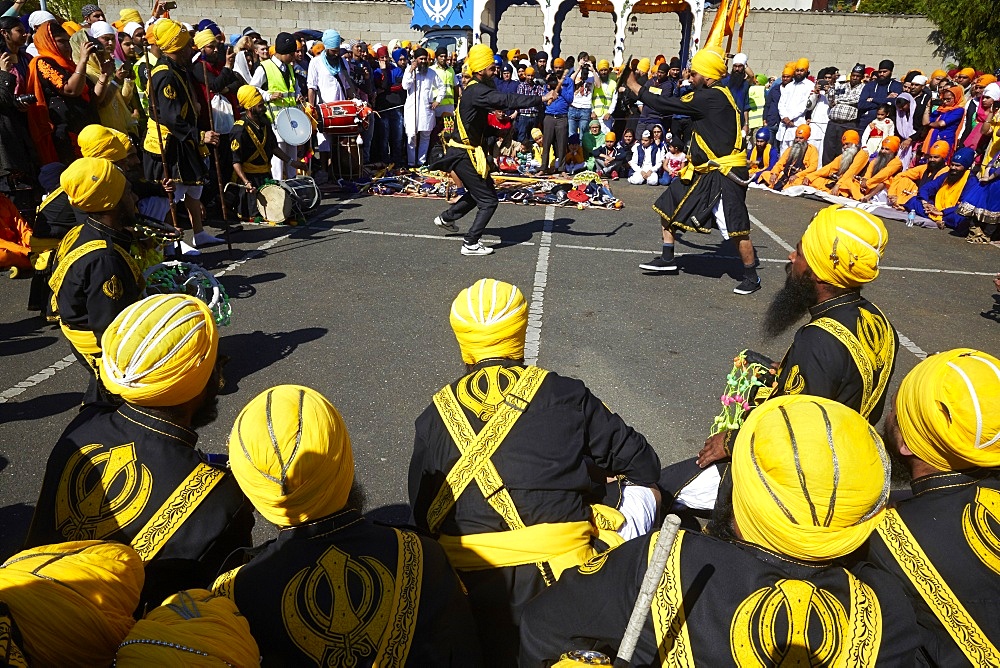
x: 802, y: 64
x: 851, y: 137
x: 891, y: 143
x: 938, y: 74
x: 985, y: 80
x: 941, y: 149
x: 803, y: 131
x: 967, y: 71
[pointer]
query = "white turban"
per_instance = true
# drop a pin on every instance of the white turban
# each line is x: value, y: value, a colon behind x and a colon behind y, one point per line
x: 36, y: 19
x: 740, y: 59
x: 130, y: 28
x: 920, y: 79
x: 100, y: 29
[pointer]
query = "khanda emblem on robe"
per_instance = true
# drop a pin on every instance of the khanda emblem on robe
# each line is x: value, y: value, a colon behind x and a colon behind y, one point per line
x: 483, y: 391
x: 337, y: 611
x: 99, y: 495
x: 980, y: 521
x: 792, y: 623
x: 877, y: 337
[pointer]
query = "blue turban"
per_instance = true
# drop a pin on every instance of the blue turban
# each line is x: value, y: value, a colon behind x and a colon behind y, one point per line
x: 964, y: 156
x: 48, y: 177
x: 764, y: 134
x: 332, y: 39
x: 209, y: 24
x: 397, y: 54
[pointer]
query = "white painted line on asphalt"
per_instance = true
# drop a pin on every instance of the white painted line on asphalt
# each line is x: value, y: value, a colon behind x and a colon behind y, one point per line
x: 436, y: 237
x: 37, y: 378
x: 769, y: 232
x: 532, y: 338
x: 911, y: 346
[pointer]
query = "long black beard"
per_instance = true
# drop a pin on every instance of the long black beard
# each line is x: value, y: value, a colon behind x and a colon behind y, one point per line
x: 953, y: 177
x: 206, y: 413
x: 900, y: 469
x: 880, y: 162
x: 789, y: 304
x: 422, y: 69
x: 737, y: 78
x: 357, y: 497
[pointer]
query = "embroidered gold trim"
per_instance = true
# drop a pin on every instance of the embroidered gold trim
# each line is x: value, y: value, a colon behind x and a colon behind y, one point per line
x: 225, y: 584
x: 395, y: 645
x: 667, y: 608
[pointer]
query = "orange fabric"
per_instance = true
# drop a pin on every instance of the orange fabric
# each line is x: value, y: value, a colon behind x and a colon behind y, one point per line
x: 820, y: 178
x: 809, y: 164
x: 940, y: 149
x: 959, y: 94
x: 39, y: 123
x: 891, y: 142
x: 883, y: 175
x: 15, y: 236
x: 904, y: 185
x: 850, y: 137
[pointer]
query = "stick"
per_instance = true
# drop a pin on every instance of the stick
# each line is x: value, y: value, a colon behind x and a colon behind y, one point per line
x: 657, y: 564
x: 151, y: 94
x: 218, y: 167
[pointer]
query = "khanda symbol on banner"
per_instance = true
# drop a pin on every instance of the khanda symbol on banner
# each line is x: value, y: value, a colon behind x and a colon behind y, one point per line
x: 99, y: 495
x: 437, y: 10
x: 980, y: 520
x: 337, y: 611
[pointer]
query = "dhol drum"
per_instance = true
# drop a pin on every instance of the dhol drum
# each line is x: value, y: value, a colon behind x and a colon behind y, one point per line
x: 275, y: 203
x: 304, y: 191
x: 293, y: 126
x: 346, y: 117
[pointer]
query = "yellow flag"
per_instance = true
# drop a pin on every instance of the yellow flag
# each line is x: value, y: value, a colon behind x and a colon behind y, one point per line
x: 719, y: 25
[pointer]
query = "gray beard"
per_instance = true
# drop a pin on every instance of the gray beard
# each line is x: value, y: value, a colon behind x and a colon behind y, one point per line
x: 880, y: 162
x: 847, y: 158
x: 796, y: 153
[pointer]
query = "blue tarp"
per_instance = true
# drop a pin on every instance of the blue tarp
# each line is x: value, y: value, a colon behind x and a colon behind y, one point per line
x: 429, y: 14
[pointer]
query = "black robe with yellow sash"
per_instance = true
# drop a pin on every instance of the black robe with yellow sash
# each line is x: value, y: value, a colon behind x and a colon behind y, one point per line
x: 724, y: 604
x: 943, y: 547
x: 540, y: 473
x: 252, y: 146
x: 177, y: 107
x: 128, y: 475
x: 688, y: 204
x: 343, y: 591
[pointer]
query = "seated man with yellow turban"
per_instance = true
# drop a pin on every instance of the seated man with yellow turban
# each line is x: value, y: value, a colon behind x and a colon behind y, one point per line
x: 334, y: 588
x: 907, y: 183
x: 192, y: 628
x: 69, y: 604
x: 941, y: 545
x: 94, y: 277
x: 881, y: 169
x: 800, y: 157
x: 503, y: 463
x: 810, y: 483
x: 836, y: 176
x: 132, y: 473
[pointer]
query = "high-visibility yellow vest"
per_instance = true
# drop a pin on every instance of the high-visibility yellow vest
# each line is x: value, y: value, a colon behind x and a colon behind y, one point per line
x: 277, y: 83
x: 757, y: 99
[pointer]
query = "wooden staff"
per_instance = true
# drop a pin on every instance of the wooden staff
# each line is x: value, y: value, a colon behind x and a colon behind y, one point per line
x: 218, y: 167
x: 151, y: 95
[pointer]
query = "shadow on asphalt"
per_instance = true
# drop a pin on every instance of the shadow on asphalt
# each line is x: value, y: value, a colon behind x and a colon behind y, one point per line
x: 39, y: 408
x: 255, y: 351
x: 21, y: 337
x: 14, y: 522
x: 242, y: 287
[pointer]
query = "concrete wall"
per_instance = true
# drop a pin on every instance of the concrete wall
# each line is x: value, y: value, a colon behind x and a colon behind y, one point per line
x: 771, y: 38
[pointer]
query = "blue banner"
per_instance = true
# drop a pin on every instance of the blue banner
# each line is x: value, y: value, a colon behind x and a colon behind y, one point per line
x: 429, y: 14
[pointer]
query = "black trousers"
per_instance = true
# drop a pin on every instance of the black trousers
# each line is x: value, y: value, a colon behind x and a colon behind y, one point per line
x: 831, y: 141
x: 479, y: 192
x: 554, y: 130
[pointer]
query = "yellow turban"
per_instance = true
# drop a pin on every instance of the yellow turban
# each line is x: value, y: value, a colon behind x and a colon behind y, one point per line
x: 480, y: 58
x: 802, y: 64
x: 788, y: 70
x: 291, y: 453
x: 249, y: 97
x: 709, y: 62
x: 843, y: 246
x: 72, y: 27
x: 191, y: 628
x: 73, y: 602
x: 203, y: 38
x: 643, y: 65
x: 939, y: 74
x: 94, y: 185
x: 170, y: 35
x: 98, y: 141
x: 406, y: 44
x: 603, y: 65
x: 810, y: 478
x: 128, y: 15
x: 490, y: 320
x: 967, y: 71
x: 947, y: 410
x: 160, y: 351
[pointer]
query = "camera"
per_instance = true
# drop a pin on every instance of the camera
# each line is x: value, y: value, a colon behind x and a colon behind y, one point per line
x: 169, y: 5
x: 25, y: 99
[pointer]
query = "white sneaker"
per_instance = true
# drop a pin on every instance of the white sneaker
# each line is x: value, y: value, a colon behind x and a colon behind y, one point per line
x: 478, y: 249
x: 445, y: 225
x: 189, y: 250
x: 203, y: 238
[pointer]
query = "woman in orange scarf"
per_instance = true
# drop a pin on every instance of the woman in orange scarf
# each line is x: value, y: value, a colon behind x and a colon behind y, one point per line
x: 64, y: 104
x: 946, y: 119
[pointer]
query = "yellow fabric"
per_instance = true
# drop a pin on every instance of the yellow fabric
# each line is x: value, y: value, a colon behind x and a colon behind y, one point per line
x: 72, y: 27
x: 843, y: 246
x: 291, y: 453
x: 643, y: 65
x: 170, y: 35
x: 490, y: 319
x: 249, y: 97
x: 562, y: 546
x: 603, y: 65
x: 802, y: 64
x: 480, y: 58
x: 98, y: 141
x: 94, y: 185
x: 709, y: 62
x: 810, y: 478
x: 947, y: 410
x: 73, y: 602
x: 949, y: 194
x: 160, y: 351
x: 129, y: 15
x: 83, y: 340
x: 204, y: 38
x: 198, y: 623
x: 788, y: 70
x: 967, y: 71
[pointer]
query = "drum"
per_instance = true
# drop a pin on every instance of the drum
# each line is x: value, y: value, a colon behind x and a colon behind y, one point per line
x: 340, y: 118
x: 275, y: 203
x: 293, y: 126
x: 304, y: 192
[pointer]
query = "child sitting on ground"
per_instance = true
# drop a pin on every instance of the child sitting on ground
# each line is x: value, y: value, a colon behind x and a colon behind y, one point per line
x: 673, y: 163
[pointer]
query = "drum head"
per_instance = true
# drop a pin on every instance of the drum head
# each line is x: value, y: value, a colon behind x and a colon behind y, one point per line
x: 274, y: 203
x: 293, y: 126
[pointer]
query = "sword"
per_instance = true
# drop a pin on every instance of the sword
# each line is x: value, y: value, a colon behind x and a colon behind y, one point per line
x: 733, y: 177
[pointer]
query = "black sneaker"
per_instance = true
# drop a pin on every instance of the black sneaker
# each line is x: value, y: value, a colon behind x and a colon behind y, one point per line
x: 659, y: 264
x: 748, y: 286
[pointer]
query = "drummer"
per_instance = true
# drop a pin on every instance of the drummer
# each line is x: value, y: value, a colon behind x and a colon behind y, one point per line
x: 275, y: 80
x: 328, y: 81
x: 254, y: 146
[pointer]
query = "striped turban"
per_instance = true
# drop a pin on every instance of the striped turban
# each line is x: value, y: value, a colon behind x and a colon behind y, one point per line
x: 490, y: 319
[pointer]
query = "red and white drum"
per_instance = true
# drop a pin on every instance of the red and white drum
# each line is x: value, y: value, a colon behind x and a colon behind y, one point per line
x: 342, y: 118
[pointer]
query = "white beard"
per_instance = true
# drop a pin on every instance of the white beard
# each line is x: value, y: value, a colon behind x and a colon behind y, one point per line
x: 797, y: 152
x: 847, y: 158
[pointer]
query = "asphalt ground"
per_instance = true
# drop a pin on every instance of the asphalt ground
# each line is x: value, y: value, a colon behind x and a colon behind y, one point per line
x: 356, y: 303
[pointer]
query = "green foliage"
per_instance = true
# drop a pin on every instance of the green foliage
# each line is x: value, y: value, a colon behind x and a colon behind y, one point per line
x: 67, y: 10
x: 893, y: 6
x: 968, y: 32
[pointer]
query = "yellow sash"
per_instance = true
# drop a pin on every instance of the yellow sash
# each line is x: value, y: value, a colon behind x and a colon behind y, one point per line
x: 936, y: 593
x: 264, y: 167
x: 738, y: 157
x: 476, y: 153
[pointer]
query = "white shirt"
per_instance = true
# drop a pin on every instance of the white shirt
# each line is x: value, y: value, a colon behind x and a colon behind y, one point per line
x: 792, y: 105
x: 329, y: 87
x: 583, y: 92
x: 652, y: 160
x: 421, y: 90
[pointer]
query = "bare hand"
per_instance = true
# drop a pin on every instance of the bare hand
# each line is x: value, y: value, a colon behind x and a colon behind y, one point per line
x: 275, y: 96
x: 714, y: 450
x: 996, y: 282
x: 249, y: 188
x: 835, y: 191
x: 230, y: 59
x: 211, y: 138
x: 5, y: 63
x: 550, y: 97
x: 168, y: 185
x: 87, y: 49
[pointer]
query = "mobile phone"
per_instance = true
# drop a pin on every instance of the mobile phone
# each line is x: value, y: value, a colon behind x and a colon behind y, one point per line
x: 169, y: 5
